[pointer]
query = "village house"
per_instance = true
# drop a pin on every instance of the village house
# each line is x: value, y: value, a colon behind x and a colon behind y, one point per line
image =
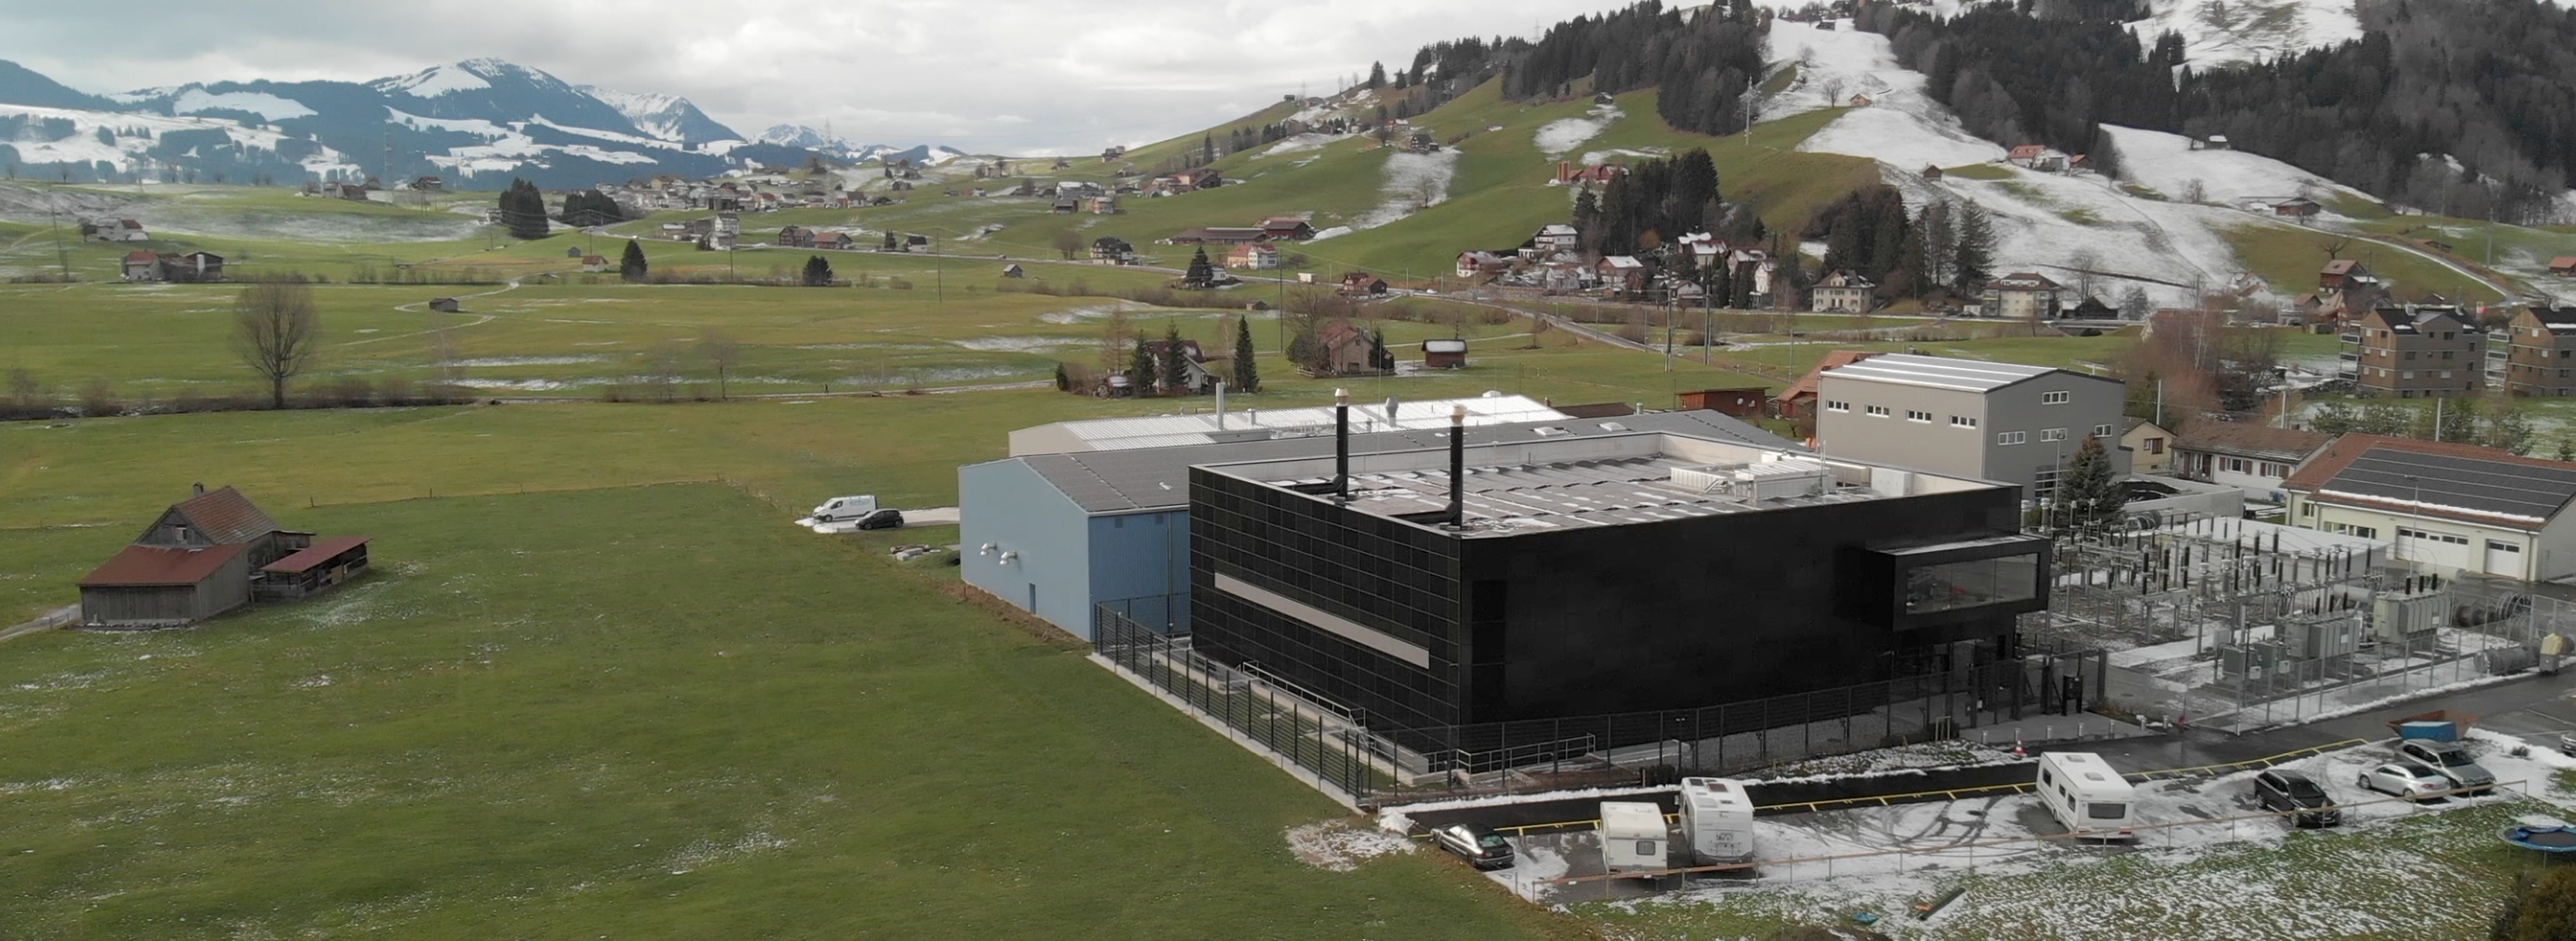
x: 1568, y: 174
x: 1195, y: 378
x: 209, y: 554
x: 1705, y: 249
x: 1103, y: 205
x: 1253, y: 257
x: 1202, y: 178
x: 122, y: 230
x: 1843, y: 291
x: 428, y: 184
x: 2540, y: 360
x: 1111, y: 250
x: 1623, y: 274
x: 2563, y: 266
x: 2021, y: 296
x: 1483, y: 264
x: 1067, y: 205
x: 2149, y: 443
x: 143, y: 266
x: 2428, y: 352
x: 835, y: 241
x: 1347, y: 350
x: 1554, y: 239
x: 594, y: 264
x: 191, y: 268
x: 2037, y: 157
x: 2213, y: 142
x: 2345, y: 290
x: 2248, y: 456
x: 795, y: 236
x: 2299, y: 208
x: 1362, y: 284
x: 1014, y: 271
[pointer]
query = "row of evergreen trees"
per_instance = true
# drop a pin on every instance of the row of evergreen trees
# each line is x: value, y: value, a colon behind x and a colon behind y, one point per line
x: 1703, y: 62
x: 1946, y: 246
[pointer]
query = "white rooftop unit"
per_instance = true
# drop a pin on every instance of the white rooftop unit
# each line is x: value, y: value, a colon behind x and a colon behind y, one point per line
x: 1777, y: 478
x: 1161, y: 431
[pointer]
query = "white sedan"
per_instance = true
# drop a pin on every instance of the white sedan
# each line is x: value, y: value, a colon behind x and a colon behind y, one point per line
x: 2413, y: 782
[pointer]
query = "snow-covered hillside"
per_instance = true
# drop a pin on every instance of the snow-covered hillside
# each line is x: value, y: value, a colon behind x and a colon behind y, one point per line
x: 2224, y: 32
x: 131, y: 139
x: 664, y: 117
x: 2050, y: 223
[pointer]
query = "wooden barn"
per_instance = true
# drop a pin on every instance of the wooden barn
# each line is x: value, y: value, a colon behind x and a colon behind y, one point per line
x: 207, y: 555
x: 1740, y: 402
x: 1444, y: 354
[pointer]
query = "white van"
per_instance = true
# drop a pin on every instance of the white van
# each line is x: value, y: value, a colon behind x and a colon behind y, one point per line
x: 1717, y: 819
x: 2087, y: 795
x: 1632, y: 837
x: 845, y: 508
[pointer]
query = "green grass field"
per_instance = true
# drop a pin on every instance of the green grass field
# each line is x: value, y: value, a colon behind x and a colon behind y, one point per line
x: 649, y: 712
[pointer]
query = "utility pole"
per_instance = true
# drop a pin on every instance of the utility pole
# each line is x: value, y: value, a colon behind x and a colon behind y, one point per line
x: 54, y: 222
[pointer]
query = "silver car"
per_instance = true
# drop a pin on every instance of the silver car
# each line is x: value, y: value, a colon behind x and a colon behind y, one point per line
x: 2399, y: 779
x: 2450, y: 760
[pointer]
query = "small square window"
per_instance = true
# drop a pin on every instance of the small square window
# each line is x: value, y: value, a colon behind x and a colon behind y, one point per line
x: 2052, y: 434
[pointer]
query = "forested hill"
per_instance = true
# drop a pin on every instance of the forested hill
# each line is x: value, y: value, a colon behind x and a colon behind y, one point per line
x: 2461, y: 108
x: 1703, y: 62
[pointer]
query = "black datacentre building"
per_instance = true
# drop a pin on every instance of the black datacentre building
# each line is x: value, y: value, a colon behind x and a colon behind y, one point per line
x: 1600, y: 575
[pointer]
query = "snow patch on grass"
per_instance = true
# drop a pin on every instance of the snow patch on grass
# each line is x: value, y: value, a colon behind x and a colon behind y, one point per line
x: 1414, y: 182
x: 1560, y: 136
x: 1340, y: 847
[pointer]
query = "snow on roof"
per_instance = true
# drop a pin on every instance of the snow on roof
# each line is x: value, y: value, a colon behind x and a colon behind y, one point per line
x: 1966, y: 375
x: 1157, y: 431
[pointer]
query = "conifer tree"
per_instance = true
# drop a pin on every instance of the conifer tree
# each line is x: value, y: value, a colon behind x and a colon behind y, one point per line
x: 1140, y: 368
x: 1972, y: 262
x: 1173, y: 367
x: 818, y: 272
x: 632, y: 265
x: 1247, y: 367
x: 523, y: 210
x: 1377, y: 75
x: 1201, y: 274
x: 2089, y: 492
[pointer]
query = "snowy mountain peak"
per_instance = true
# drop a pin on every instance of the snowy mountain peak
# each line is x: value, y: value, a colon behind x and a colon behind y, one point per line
x: 666, y: 117
x: 798, y: 135
x: 435, y: 81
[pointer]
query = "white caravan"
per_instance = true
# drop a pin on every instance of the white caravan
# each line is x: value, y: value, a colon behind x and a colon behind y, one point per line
x: 1717, y: 819
x: 2087, y: 795
x: 1632, y: 837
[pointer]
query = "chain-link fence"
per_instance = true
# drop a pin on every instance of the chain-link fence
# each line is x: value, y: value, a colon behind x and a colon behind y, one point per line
x: 1336, y: 748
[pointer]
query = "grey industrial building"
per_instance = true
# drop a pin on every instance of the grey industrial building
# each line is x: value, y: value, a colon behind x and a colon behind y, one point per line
x: 2003, y: 422
x: 1058, y: 534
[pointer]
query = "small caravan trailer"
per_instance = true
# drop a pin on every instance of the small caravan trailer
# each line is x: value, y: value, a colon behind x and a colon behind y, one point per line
x: 1717, y: 819
x: 2087, y: 796
x: 1633, y: 837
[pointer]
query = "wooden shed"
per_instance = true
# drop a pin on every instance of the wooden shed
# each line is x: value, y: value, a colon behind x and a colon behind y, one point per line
x: 314, y: 569
x: 444, y: 305
x: 1444, y: 354
x: 1741, y: 402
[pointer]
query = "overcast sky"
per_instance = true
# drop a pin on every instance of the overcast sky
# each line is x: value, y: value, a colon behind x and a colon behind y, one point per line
x: 988, y: 75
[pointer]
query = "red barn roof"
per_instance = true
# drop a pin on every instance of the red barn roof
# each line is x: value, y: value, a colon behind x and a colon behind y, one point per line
x: 322, y: 550
x: 147, y: 566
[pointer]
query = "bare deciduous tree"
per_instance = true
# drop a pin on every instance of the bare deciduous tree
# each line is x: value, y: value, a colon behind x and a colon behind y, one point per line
x: 277, y: 333
x: 722, y: 353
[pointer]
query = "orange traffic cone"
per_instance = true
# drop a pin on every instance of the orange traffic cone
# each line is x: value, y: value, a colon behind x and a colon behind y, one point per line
x: 2017, y: 752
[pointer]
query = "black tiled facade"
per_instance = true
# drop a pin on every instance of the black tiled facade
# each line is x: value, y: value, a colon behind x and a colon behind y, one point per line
x: 1673, y: 614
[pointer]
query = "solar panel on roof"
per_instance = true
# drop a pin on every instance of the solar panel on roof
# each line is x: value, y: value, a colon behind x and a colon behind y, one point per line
x: 2459, y: 483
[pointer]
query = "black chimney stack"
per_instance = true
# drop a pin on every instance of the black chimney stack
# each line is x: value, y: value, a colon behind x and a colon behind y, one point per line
x: 1342, y: 444
x: 1457, y: 466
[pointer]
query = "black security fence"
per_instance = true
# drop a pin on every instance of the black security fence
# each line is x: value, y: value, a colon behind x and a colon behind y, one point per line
x: 1338, y: 749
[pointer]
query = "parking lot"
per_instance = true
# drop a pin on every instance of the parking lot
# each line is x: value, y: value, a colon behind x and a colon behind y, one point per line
x: 2010, y: 833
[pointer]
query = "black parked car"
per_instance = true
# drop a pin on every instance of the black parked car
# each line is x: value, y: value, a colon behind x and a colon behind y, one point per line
x: 2289, y: 790
x: 1478, y: 845
x: 882, y: 519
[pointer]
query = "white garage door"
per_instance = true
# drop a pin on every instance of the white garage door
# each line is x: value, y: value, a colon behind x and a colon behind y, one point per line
x: 2434, y: 548
x: 2504, y: 558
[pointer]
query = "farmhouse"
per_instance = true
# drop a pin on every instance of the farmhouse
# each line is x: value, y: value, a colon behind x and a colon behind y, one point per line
x: 1287, y: 229
x: 839, y: 241
x: 1480, y: 264
x: 1348, y: 350
x: 1567, y: 174
x: 1845, y: 292
x: 2021, y: 296
x: 1111, y: 250
x: 1932, y: 173
x: 207, y: 555
x: 2036, y: 157
x: 1555, y: 238
x: 1219, y: 236
x: 1362, y: 284
x: 191, y: 268
x: 795, y: 236
x: 2563, y: 266
x: 1622, y: 273
x: 2300, y: 208
x: 1253, y: 257
x: 142, y: 266
x: 594, y: 263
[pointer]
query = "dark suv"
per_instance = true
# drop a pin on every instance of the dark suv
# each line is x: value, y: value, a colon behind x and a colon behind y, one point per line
x: 2285, y: 791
